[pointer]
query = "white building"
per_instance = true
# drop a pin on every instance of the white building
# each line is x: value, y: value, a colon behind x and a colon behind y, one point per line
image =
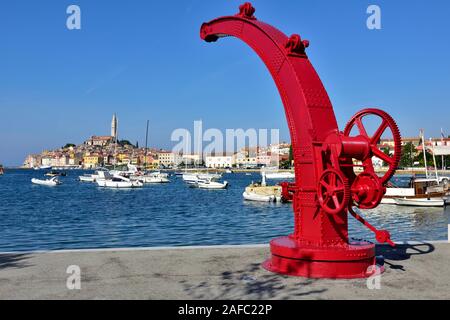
x: 224, y: 161
x: 169, y: 159
x: 244, y: 161
x: 191, y: 158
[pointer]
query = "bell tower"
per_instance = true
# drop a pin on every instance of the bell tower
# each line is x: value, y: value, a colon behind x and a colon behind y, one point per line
x: 114, y: 127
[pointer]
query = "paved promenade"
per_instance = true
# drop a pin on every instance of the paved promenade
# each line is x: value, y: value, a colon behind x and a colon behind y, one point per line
x: 413, y: 271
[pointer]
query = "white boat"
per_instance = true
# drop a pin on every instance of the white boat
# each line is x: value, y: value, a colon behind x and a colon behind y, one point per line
x: 412, y: 189
x: 280, y: 175
x: 42, y: 168
x: 193, y: 178
x: 118, y: 181
x: 153, y: 177
x: 210, y: 184
x: 258, y: 197
x: 86, y: 178
x: 420, y: 202
x: 98, y: 175
x: 48, y: 182
x: 228, y: 171
x: 262, y: 192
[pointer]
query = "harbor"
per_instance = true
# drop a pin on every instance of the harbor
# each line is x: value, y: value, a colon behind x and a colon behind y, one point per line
x: 79, y: 215
x: 412, y: 271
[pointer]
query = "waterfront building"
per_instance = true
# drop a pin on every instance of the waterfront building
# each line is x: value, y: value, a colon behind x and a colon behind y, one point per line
x: 75, y: 159
x: 242, y: 161
x: 123, y: 157
x: 47, y: 160
x: 92, y: 160
x: 191, y: 159
x: 169, y: 159
x: 264, y: 159
x: 32, y: 160
x: 221, y: 161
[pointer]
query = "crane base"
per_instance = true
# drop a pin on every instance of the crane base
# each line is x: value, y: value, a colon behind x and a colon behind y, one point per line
x: 295, y: 258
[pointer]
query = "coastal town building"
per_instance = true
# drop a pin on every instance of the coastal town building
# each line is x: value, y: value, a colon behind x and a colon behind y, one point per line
x: 220, y: 161
x: 169, y: 159
x: 91, y: 161
x: 100, y: 141
x: 191, y: 159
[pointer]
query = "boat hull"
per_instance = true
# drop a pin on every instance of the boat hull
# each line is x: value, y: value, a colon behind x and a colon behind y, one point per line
x: 50, y: 183
x: 422, y: 202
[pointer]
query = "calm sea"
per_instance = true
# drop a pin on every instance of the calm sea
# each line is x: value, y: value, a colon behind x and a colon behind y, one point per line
x: 82, y: 215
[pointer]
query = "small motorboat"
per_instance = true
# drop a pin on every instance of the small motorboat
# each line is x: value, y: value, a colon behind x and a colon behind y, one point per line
x: 1, y: 170
x: 261, y: 192
x: 251, y: 196
x: 48, y: 182
x: 54, y: 173
x: 86, y: 178
x: 193, y: 178
x: 280, y: 175
x: 210, y: 184
x: 154, y: 177
x: 118, y: 181
x: 421, y: 202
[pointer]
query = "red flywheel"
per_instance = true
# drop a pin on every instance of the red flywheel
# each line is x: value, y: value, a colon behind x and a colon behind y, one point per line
x: 386, y: 122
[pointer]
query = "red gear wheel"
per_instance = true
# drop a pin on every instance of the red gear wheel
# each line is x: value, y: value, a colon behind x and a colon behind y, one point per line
x: 367, y: 190
x: 387, y: 122
x: 333, y: 191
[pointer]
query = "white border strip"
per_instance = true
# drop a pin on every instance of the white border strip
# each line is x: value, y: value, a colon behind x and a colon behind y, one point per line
x: 243, y: 246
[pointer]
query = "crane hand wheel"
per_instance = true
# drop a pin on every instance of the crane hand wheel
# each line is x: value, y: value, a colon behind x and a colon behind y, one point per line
x: 333, y: 191
x: 386, y: 122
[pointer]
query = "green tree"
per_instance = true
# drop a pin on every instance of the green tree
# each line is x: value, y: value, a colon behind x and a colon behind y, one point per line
x: 68, y: 145
x: 408, y: 155
x: 419, y: 158
x: 385, y: 151
x: 124, y: 143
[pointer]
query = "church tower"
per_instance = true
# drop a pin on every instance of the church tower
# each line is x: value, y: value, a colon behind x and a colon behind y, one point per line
x: 114, y: 127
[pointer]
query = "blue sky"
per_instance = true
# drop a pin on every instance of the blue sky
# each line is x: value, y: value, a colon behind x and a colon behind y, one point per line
x: 145, y: 60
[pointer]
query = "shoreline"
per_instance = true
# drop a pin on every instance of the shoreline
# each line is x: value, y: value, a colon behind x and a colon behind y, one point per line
x: 194, y: 247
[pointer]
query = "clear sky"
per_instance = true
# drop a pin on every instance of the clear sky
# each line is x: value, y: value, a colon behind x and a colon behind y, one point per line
x: 145, y: 60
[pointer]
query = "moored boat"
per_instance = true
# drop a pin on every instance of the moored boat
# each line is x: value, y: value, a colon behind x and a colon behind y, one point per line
x: 118, y: 181
x: 153, y: 177
x: 420, y: 202
x: 48, y: 182
x: 260, y: 191
x: 412, y: 188
x: 251, y: 196
x: 55, y: 173
x: 210, y: 184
